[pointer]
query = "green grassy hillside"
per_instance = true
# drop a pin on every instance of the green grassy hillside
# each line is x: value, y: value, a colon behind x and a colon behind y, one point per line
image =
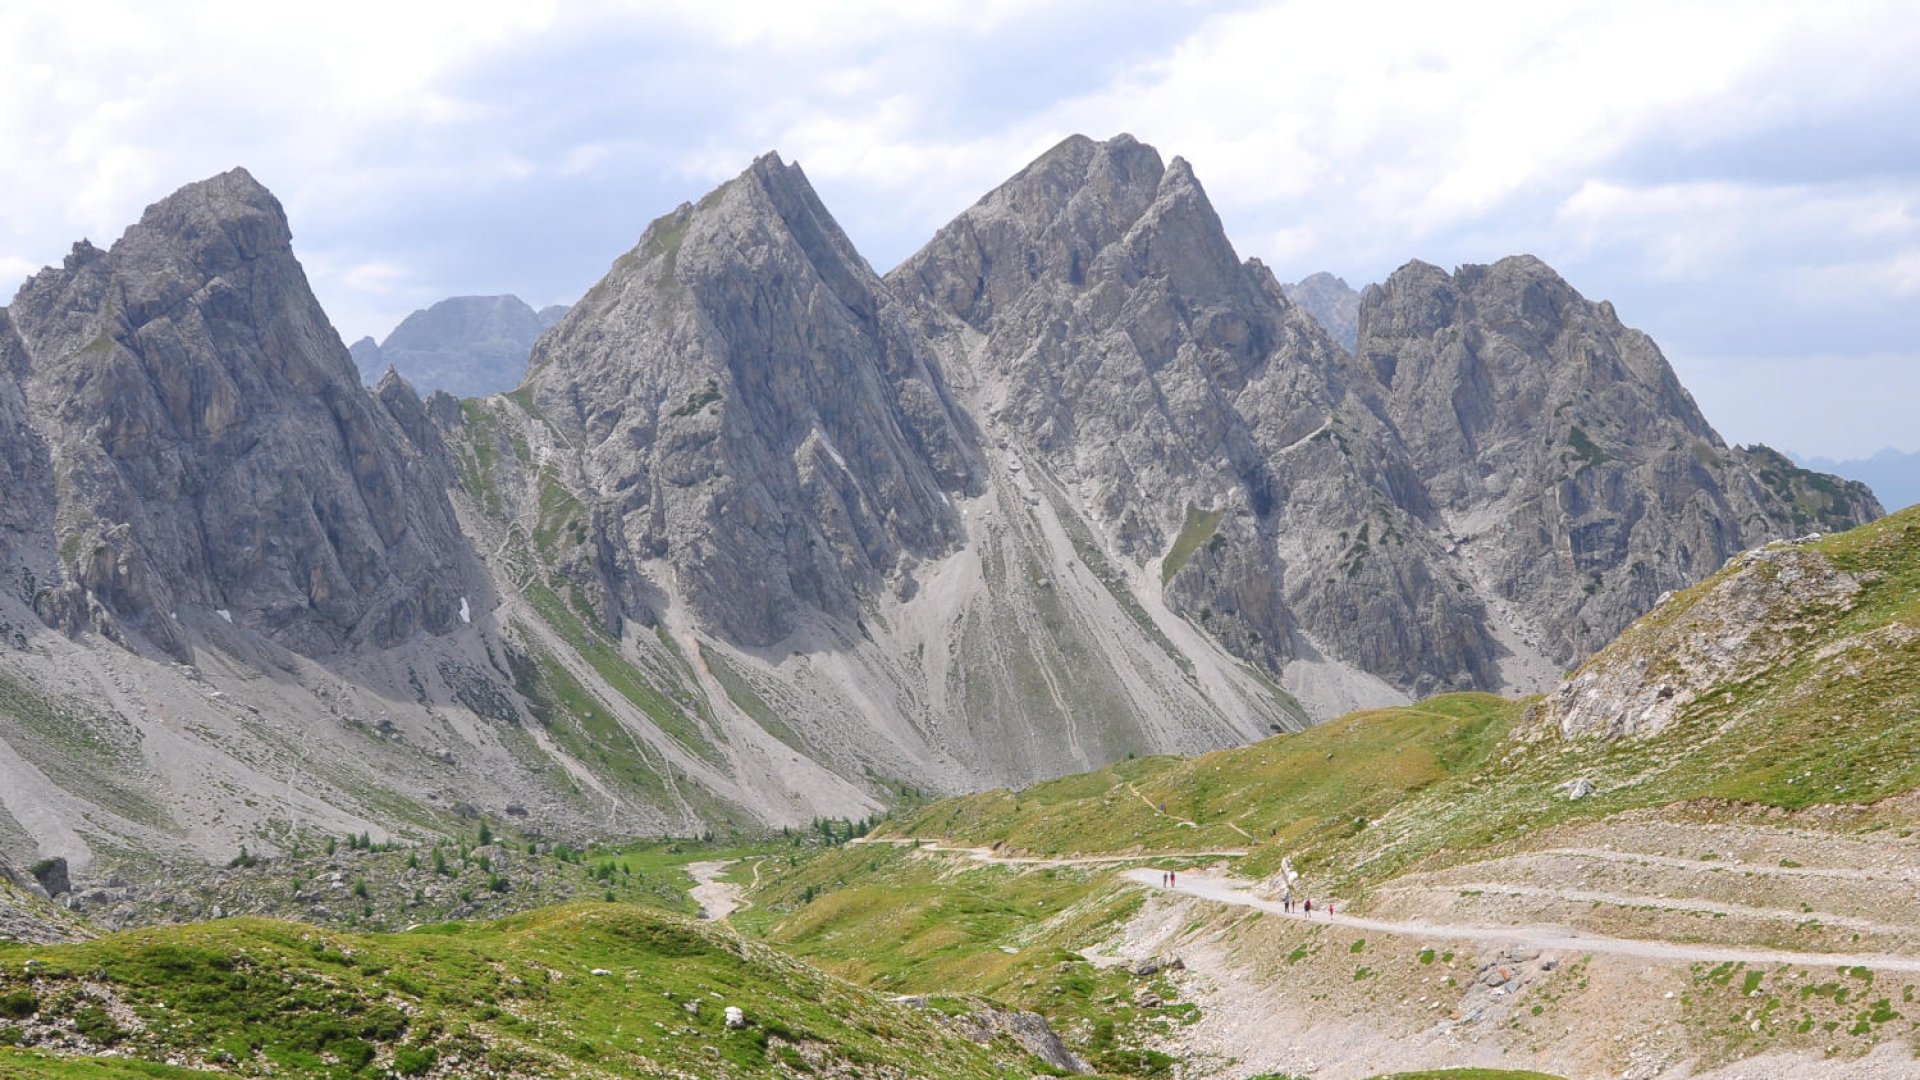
x: 580, y: 990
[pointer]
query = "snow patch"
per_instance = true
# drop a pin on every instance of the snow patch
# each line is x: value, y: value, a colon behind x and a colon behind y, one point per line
x: 466, y: 613
x: 225, y: 614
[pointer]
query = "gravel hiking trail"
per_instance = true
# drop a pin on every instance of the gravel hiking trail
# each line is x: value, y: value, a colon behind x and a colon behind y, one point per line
x: 1221, y: 890
x: 986, y: 855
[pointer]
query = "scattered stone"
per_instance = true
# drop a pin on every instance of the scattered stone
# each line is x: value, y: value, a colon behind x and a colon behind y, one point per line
x: 736, y: 1019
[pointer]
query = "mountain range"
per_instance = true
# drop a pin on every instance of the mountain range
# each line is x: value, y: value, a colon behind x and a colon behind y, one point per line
x: 764, y: 536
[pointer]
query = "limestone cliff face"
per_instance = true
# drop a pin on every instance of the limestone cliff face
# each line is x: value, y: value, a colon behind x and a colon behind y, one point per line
x: 753, y: 407
x: 211, y: 448
x: 26, y: 476
x: 1096, y: 311
x: 1562, y: 452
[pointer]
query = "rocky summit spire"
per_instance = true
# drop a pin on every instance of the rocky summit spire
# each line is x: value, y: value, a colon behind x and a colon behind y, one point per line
x: 1129, y: 347
x: 212, y: 448
x: 1564, y: 453
x: 758, y: 410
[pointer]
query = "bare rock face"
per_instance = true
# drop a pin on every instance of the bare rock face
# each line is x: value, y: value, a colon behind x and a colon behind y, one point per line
x: 1098, y: 314
x: 1564, y: 455
x: 752, y: 405
x: 1332, y: 302
x: 26, y: 476
x: 468, y: 346
x: 211, y: 448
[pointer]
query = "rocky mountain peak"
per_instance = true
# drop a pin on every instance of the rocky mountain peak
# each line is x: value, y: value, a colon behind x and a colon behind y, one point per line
x: 212, y: 447
x: 1057, y: 214
x: 761, y: 405
x: 1506, y: 384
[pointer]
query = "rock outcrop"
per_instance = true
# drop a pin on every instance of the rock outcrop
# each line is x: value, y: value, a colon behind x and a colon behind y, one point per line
x: 1753, y: 618
x: 467, y: 346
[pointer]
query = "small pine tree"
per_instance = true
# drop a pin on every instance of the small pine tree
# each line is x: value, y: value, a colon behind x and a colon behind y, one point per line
x: 360, y: 888
x: 330, y: 846
x: 413, y: 861
x: 486, y: 834
x: 440, y: 863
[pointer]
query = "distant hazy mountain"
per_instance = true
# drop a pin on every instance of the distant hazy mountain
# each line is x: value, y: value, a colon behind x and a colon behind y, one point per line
x: 469, y: 346
x: 1333, y: 303
x: 1893, y: 476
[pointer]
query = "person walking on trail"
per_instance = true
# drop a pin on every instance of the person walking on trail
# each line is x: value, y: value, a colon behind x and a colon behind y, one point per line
x: 1173, y: 877
x: 1309, y: 907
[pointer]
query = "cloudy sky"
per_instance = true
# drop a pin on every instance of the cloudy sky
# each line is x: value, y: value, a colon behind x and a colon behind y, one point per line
x: 1741, y: 179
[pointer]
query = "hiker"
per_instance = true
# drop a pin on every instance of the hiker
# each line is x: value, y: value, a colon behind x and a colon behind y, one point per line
x: 1329, y: 910
x: 1309, y: 907
x: 1173, y: 878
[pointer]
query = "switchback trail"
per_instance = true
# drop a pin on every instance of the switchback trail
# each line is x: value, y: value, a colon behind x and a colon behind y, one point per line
x: 1222, y: 890
x: 1238, y: 894
x: 986, y: 855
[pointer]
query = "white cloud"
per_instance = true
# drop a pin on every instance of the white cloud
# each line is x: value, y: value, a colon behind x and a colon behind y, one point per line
x: 415, y: 143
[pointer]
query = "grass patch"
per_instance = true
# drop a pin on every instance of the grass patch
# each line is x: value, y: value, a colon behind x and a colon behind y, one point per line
x: 1197, y: 530
x: 514, y: 997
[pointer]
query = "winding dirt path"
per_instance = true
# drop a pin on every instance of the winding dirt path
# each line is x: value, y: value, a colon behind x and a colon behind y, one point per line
x: 1184, y: 823
x: 1236, y: 893
x: 1221, y: 890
